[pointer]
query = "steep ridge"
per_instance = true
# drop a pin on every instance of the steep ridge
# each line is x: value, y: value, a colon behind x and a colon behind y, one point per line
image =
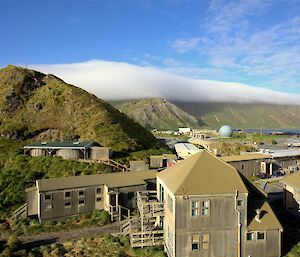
x: 35, y: 105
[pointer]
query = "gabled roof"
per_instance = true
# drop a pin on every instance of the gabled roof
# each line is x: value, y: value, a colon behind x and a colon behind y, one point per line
x: 268, y: 220
x: 245, y: 157
x: 112, y: 180
x: 292, y: 180
x: 202, y: 174
x: 61, y: 145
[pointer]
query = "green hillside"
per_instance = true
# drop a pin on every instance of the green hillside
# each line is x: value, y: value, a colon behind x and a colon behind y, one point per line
x: 156, y: 113
x: 243, y: 115
x: 43, y: 107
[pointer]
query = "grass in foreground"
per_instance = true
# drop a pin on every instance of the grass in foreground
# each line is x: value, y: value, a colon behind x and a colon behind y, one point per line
x: 102, y: 246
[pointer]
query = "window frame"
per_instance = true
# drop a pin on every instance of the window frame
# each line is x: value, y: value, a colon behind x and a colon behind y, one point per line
x: 262, y: 233
x: 47, y: 194
x: 252, y: 236
x: 195, y: 208
x: 97, y: 190
x: 79, y: 193
x: 170, y: 204
x: 195, y: 241
x: 68, y: 204
x: 81, y: 204
x: 67, y: 197
x: 205, y: 208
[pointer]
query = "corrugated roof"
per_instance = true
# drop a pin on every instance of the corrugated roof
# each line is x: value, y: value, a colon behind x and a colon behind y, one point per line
x: 110, y: 179
x: 292, y: 180
x: 268, y: 220
x: 245, y: 157
x: 200, y: 174
x: 60, y: 145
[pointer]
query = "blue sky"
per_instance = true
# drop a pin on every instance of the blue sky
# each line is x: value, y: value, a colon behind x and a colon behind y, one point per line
x: 253, y: 42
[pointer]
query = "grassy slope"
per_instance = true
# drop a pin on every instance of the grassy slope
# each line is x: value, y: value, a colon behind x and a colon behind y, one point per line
x: 34, y: 104
x: 156, y: 113
x: 18, y: 172
x: 243, y: 115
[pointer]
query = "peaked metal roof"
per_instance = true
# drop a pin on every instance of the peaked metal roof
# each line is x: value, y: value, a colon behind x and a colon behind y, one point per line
x: 268, y: 219
x: 245, y: 157
x: 202, y: 174
x: 61, y: 145
x: 292, y: 180
x: 120, y: 179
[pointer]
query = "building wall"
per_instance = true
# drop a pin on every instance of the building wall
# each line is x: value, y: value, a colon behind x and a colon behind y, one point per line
x: 290, y: 196
x: 270, y: 247
x: 32, y: 202
x: 97, y: 197
x: 169, y: 218
x: 100, y: 153
x: 286, y: 162
x: 247, y: 168
x: 220, y: 226
x: 60, y: 206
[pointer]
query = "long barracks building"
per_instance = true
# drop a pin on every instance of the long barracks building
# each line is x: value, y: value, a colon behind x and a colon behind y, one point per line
x: 198, y: 207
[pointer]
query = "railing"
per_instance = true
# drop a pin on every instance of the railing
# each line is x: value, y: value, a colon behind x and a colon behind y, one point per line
x: 142, y: 239
x: 20, y: 212
x: 109, y: 162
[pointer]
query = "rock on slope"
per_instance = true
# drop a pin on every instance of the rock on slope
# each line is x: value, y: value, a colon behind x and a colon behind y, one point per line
x: 35, y: 105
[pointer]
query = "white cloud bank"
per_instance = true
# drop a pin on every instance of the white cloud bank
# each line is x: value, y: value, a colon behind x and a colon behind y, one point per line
x: 117, y: 81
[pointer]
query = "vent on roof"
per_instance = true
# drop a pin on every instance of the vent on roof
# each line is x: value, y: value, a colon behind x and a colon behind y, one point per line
x: 44, y: 143
x: 76, y: 143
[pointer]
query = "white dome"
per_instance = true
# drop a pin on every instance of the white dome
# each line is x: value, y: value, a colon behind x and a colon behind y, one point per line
x: 225, y: 131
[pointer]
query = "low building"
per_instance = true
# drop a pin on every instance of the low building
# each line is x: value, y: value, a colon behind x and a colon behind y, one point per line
x: 292, y: 193
x: 57, y: 198
x: 286, y: 159
x: 138, y: 166
x: 69, y: 150
x: 251, y: 164
x: 184, y: 150
x: 208, y: 211
x: 184, y: 130
x: 162, y: 161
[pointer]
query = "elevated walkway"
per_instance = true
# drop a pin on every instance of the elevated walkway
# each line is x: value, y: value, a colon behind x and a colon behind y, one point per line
x: 144, y: 229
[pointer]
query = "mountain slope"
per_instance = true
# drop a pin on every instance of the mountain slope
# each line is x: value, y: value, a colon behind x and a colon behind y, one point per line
x: 243, y: 115
x: 33, y: 104
x: 156, y: 113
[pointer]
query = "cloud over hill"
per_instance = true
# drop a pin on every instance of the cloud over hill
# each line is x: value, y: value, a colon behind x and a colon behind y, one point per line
x: 117, y: 80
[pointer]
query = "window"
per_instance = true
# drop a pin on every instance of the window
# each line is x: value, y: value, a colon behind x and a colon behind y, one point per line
x: 195, y: 242
x: 195, y: 208
x: 205, y: 241
x: 205, y: 208
x: 240, y: 202
x: 81, y: 193
x: 250, y: 236
x: 81, y: 203
x: 130, y: 195
x: 67, y: 204
x: 161, y: 193
x: 48, y: 197
x: 98, y: 199
x: 98, y: 191
x: 260, y: 235
x: 243, y: 166
x: 48, y: 207
x: 67, y: 195
x: 170, y: 203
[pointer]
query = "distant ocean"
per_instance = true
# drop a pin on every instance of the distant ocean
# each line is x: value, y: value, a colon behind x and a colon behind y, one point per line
x: 269, y: 131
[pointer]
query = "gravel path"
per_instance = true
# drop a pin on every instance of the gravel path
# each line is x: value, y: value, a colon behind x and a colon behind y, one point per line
x: 52, y: 237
